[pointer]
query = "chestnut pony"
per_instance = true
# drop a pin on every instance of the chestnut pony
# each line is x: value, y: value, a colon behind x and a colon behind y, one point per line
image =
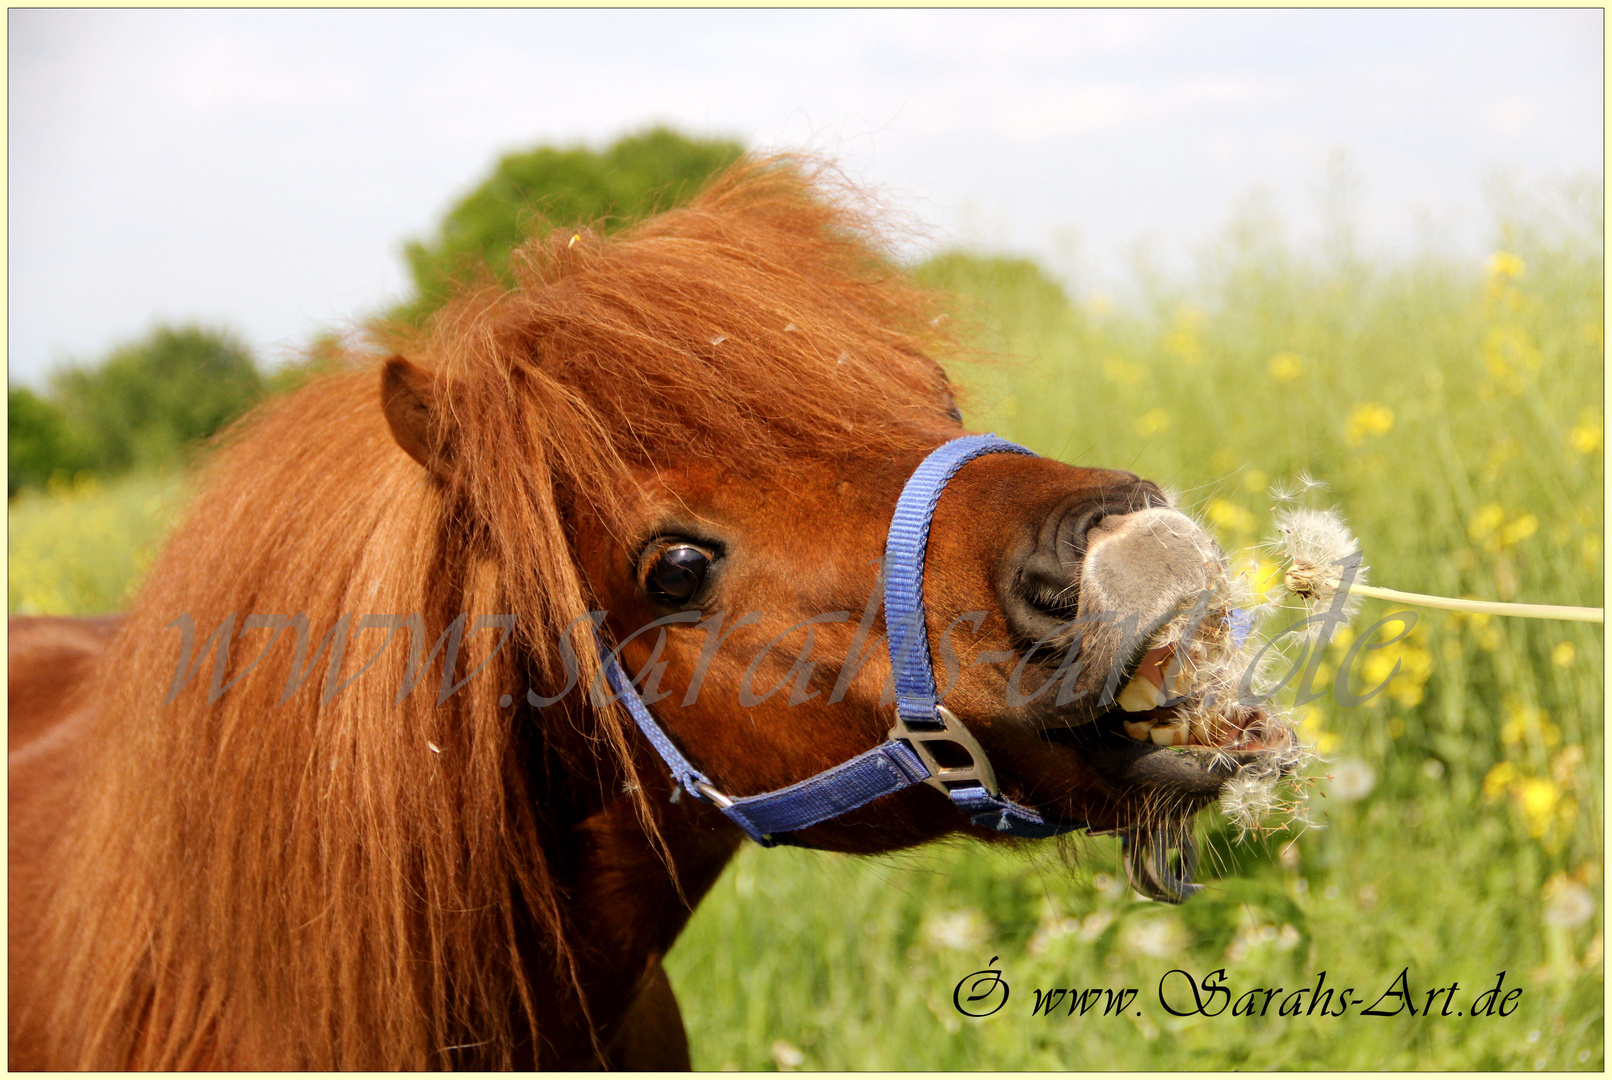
x: 711, y: 415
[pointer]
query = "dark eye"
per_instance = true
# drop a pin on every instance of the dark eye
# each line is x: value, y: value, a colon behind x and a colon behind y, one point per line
x: 676, y: 574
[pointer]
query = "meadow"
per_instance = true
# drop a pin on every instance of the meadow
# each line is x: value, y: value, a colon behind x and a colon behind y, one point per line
x: 1453, y: 410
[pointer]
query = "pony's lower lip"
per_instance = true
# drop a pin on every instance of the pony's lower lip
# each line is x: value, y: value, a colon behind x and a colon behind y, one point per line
x: 1128, y: 763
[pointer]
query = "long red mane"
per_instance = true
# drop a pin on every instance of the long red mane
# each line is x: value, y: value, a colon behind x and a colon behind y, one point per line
x: 360, y: 882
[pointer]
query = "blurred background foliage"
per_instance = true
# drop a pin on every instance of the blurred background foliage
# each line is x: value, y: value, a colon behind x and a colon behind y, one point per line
x: 634, y: 178
x: 1453, y: 409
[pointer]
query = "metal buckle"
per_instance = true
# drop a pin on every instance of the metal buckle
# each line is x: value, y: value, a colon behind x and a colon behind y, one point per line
x: 954, y: 732
x: 722, y: 801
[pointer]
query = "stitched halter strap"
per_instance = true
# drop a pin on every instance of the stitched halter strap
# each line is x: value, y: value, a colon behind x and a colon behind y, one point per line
x: 904, y: 759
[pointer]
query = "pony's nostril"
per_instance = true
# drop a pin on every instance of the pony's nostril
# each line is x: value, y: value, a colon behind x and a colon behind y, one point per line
x: 1072, y: 533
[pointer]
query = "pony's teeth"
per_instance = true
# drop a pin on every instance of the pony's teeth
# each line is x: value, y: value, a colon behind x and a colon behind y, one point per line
x: 1177, y: 682
x: 1138, y: 729
x: 1171, y: 734
x: 1140, y: 695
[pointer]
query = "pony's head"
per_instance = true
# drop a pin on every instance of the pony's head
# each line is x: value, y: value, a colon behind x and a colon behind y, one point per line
x: 701, y: 430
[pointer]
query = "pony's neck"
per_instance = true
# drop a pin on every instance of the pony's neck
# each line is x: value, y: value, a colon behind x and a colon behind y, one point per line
x: 627, y: 909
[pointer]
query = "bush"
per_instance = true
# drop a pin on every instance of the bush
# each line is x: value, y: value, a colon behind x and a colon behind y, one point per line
x: 636, y: 177
x: 38, y: 444
x: 151, y: 398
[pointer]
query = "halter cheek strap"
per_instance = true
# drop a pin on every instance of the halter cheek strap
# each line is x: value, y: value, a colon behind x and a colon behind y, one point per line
x: 905, y: 758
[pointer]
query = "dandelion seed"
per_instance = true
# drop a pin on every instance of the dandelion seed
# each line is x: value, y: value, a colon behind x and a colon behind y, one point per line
x: 717, y: 339
x: 791, y: 329
x: 1284, y: 491
x: 1308, y: 483
x: 435, y: 749
x: 574, y: 238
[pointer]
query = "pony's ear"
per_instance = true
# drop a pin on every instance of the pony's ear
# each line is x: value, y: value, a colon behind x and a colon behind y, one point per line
x: 413, y: 402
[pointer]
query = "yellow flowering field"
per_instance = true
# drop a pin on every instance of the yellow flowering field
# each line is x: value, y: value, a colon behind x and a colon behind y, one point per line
x: 80, y: 547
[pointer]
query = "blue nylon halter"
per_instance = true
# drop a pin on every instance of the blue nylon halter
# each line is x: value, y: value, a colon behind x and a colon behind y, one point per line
x: 904, y: 759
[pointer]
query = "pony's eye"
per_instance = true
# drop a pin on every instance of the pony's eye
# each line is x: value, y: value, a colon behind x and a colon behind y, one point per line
x: 676, y: 574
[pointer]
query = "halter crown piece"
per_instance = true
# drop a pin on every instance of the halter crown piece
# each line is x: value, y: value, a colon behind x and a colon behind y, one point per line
x: 905, y: 758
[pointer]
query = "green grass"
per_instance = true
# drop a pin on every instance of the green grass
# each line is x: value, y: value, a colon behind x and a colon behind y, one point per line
x: 1454, y: 410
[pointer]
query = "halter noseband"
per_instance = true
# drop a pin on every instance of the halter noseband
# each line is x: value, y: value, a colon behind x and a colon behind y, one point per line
x: 905, y: 758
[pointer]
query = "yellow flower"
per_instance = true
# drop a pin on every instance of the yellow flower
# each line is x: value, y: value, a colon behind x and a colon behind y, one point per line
x: 1490, y: 529
x: 1505, y: 264
x: 1525, y: 720
x: 1562, y: 655
x: 1497, y: 780
x: 1183, y: 340
x: 1263, y: 578
x: 1225, y: 514
x: 1520, y: 529
x: 1585, y: 438
x: 1485, y: 522
x: 1508, y: 346
x: 1369, y: 419
x: 1312, y: 728
x: 1285, y: 367
x: 1121, y: 372
x: 1415, y: 664
x: 1537, y: 797
x: 1152, y: 422
x: 1255, y: 480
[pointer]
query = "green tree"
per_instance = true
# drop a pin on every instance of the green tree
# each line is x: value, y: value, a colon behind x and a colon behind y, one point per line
x: 37, y: 440
x: 632, y: 179
x: 150, y: 399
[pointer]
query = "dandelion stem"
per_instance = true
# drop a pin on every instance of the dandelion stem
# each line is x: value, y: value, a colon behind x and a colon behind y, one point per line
x: 1487, y: 607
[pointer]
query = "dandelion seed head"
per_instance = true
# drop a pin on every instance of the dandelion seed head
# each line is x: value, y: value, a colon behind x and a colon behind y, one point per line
x: 1247, y: 800
x: 1318, y: 550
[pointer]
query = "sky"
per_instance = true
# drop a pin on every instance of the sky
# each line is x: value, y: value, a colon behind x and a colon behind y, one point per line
x: 260, y: 171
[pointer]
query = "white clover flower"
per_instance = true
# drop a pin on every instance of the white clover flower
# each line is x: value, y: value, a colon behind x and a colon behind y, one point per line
x: 1352, y: 780
x: 1568, y: 904
x: 960, y: 931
